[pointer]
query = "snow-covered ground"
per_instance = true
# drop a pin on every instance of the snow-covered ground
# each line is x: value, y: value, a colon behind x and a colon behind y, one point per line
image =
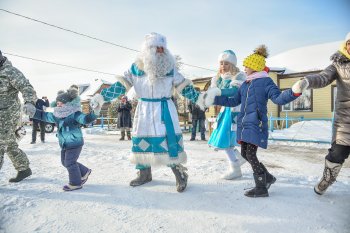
x: 108, y: 204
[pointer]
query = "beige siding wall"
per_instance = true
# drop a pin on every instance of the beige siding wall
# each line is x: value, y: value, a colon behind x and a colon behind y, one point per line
x: 321, y: 101
x: 271, y: 107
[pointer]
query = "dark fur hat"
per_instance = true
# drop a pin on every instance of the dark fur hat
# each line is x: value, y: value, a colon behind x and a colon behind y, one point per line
x: 68, y: 96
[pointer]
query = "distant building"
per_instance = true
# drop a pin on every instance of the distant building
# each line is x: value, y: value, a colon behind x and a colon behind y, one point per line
x: 87, y: 91
x: 289, y: 67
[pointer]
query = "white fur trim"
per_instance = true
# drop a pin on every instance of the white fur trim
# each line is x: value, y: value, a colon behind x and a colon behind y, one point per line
x: 154, y: 40
x: 123, y: 81
x: 210, y: 96
x: 347, y: 37
x: 132, y: 94
x: 213, y: 82
x: 236, y: 83
x: 184, y: 84
x: 229, y: 57
x: 200, y: 101
x: 152, y: 159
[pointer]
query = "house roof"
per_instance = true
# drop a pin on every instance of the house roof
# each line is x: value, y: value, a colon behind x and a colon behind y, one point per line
x: 309, y: 58
x: 92, y: 88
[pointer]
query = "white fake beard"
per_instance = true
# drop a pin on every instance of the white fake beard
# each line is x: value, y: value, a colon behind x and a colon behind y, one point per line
x: 157, y: 65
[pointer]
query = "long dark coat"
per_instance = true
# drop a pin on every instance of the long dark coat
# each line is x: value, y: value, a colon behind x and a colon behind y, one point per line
x: 124, y: 115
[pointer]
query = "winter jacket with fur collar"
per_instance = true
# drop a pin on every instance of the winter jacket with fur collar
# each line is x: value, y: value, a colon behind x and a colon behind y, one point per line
x: 339, y: 70
x: 68, y: 128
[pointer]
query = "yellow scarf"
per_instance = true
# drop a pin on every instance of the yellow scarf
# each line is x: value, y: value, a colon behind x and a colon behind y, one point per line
x: 344, y: 51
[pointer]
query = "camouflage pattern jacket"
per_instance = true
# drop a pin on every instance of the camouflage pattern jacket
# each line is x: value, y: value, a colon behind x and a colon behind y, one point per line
x: 12, y: 81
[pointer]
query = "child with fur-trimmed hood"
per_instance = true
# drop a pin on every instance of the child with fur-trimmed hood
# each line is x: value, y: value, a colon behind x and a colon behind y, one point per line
x: 252, y: 127
x: 68, y: 117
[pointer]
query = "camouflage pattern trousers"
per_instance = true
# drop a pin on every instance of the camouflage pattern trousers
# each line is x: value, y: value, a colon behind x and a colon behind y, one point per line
x: 9, y: 119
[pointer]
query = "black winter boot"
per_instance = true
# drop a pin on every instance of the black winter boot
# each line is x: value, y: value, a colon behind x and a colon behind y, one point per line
x: 122, y: 136
x: 330, y: 173
x: 143, y: 176
x: 21, y: 175
x: 181, y: 177
x: 260, y: 189
x: 270, y: 179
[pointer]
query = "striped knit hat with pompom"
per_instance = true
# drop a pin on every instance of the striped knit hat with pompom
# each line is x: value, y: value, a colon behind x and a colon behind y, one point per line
x: 256, y: 61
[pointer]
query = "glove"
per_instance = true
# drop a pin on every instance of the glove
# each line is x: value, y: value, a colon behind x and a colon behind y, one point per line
x: 300, y: 86
x: 20, y: 133
x: 209, y: 96
x: 96, y: 103
x: 29, y: 109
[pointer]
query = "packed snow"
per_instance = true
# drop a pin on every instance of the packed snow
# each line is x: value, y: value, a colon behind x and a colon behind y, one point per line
x: 209, y: 204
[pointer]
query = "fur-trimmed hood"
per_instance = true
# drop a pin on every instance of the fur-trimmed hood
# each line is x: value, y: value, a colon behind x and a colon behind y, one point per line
x: 339, y: 57
x: 238, y: 78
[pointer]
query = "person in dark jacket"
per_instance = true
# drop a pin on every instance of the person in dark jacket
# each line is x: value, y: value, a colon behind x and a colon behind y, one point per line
x: 68, y: 117
x: 338, y: 71
x: 198, y: 117
x: 124, y: 117
x: 40, y: 105
x: 252, y: 127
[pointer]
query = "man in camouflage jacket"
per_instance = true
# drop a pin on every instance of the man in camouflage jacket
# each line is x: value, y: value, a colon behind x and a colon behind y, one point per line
x: 13, y: 81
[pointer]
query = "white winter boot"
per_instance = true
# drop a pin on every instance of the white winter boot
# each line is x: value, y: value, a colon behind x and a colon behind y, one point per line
x: 234, y: 171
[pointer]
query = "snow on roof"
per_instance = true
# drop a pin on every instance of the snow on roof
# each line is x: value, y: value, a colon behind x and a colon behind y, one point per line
x: 93, y: 88
x: 309, y: 58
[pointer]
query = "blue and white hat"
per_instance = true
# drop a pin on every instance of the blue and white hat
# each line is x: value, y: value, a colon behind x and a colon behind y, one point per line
x: 154, y: 40
x: 229, y: 56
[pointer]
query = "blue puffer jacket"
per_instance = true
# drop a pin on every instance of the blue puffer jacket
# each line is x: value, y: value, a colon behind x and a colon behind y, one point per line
x: 68, y: 129
x: 253, y: 96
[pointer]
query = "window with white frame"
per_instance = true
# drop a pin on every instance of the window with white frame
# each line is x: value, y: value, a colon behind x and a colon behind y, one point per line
x: 302, y: 104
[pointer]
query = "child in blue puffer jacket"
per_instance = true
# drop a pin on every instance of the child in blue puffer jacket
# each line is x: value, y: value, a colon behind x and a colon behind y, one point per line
x: 252, y: 127
x: 68, y: 117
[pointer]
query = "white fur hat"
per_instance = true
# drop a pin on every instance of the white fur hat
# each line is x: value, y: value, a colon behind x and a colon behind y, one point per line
x: 347, y: 37
x: 154, y: 40
x: 229, y: 56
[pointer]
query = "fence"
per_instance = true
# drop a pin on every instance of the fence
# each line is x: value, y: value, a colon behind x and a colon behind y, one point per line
x: 105, y: 122
x: 285, y: 120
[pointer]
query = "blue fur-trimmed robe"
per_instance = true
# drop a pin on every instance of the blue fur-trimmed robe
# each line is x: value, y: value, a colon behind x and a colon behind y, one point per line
x: 156, y: 135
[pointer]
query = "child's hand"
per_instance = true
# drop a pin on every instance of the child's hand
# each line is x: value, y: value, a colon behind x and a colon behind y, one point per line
x: 300, y: 86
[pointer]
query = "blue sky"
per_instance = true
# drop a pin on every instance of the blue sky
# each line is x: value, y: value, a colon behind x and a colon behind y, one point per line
x: 196, y: 30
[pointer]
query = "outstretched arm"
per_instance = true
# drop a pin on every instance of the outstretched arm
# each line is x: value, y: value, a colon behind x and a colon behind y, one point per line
x: 44, y: 116
x: 84, y: 119
x: 22, y: 84
x: 322, y: 79
x: 185, y: 88
x: 227, y: 101
x: 278, y: 97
